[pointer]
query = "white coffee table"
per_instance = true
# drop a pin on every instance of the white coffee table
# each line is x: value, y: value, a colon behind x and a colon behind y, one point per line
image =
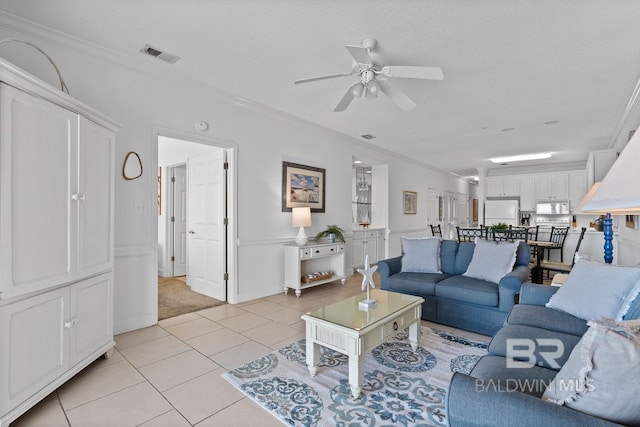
x: 345, y: 328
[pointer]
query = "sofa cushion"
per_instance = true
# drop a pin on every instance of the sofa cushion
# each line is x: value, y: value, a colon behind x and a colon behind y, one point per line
x: 594, y: 290
x: 468, y: 289
x: 546, y: 318
x: 495, y: 375
x: 448, y: 252
x: 464, y: 255
x: 492, y: 260
x: 414, y: 283
x: 600, y: 376
x: 529, y: 344
x: 634, y: 310
x: 421, y: 255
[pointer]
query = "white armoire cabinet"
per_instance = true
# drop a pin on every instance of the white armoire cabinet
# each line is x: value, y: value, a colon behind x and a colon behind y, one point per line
x: 56, y: 239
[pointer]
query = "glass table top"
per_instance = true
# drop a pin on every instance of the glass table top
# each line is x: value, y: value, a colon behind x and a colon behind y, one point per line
x: 348, y: 314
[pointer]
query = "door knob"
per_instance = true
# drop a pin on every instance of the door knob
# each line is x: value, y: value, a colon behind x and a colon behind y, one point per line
x: 192, y: 232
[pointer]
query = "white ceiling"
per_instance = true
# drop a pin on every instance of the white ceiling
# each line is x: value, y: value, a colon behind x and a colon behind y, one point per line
x: 507, y: 64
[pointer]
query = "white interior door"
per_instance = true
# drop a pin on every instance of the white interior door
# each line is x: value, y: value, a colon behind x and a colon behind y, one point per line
x: 179, y: 215
x: 206, y: 193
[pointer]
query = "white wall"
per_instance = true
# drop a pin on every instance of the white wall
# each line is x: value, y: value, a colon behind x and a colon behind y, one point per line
x: 143, y: 99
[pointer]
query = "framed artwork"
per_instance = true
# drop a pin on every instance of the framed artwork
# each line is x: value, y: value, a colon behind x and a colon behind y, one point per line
x: 474, y: 217
x: 410, y: 202
x: 302, y: 186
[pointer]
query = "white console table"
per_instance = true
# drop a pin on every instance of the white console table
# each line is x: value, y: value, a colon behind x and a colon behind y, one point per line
x: 312, y: 258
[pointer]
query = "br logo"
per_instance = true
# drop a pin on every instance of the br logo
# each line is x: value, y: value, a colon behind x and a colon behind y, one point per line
x: 521, y: 352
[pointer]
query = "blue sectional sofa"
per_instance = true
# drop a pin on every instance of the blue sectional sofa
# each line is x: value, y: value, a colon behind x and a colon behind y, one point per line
x: 496, y: 395
x: 454, y: 299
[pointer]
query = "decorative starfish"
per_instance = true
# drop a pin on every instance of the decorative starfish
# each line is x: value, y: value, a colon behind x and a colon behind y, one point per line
x: 367, y: 274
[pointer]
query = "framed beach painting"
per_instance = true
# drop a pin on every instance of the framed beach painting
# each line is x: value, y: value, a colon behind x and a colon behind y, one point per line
x: 302, y: 186
x: 410, y: 202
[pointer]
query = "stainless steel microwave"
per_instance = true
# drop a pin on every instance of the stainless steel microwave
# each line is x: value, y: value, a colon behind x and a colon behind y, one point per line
x: 553, y: 208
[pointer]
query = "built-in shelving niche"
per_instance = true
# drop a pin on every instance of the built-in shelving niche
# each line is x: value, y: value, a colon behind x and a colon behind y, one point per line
x: 361, y: 195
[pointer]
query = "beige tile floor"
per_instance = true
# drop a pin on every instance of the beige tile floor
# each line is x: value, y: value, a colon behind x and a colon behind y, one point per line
x: 170, y: 374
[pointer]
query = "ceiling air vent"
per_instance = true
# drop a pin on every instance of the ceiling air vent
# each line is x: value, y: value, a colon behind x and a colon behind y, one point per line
x: 157, y: 53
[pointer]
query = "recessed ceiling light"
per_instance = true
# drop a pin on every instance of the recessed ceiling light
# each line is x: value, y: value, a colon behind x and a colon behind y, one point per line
x: 357, y: 162
x: 521, y: 157
x: 367, y: 136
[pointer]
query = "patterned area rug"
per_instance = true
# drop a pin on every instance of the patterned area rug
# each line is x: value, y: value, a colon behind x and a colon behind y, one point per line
x: 401, y: 386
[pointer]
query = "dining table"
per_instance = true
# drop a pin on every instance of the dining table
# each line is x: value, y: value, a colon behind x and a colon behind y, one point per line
x: 539, y: 245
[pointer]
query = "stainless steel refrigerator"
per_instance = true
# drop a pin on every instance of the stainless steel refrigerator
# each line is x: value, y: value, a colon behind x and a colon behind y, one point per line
x: 506, y: 211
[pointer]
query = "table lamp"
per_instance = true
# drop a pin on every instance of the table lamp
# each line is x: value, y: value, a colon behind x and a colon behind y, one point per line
x: 301, y: 217
x: 617, y: 194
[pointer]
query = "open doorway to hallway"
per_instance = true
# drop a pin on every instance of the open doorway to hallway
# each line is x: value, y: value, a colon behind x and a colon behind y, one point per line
x: 192, y: 204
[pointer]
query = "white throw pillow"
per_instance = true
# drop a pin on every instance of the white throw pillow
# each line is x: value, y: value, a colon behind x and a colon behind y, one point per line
x: 420, y: 255
x: 594, y: 290
x: 491, y: 260
x: 600, y: 376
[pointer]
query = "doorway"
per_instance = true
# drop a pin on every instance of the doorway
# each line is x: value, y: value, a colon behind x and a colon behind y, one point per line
x: 192, y: 225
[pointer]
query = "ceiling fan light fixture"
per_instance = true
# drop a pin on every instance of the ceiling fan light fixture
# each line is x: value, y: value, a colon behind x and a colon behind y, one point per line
x: 521, y: 157
x: 357, y: 90
x: 373, y: 87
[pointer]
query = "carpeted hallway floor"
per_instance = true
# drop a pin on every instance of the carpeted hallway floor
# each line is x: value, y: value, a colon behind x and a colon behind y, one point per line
x: 176, y: 298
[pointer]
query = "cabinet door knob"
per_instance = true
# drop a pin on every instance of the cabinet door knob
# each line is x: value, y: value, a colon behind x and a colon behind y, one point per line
x: 70, y: 323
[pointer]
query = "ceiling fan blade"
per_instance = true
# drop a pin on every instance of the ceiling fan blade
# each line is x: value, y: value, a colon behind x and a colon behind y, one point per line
x: 331, y: 76
x: 412, y: 72
x: 353, y: 90
x: 360, y: 54
x: 396, y: 95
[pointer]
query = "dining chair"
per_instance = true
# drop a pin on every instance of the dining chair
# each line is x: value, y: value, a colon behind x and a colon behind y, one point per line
x: 468, y: 234
x: 557, y: 237
x: 560, y: 267
x: 511, y: 235
x: 436, y: 231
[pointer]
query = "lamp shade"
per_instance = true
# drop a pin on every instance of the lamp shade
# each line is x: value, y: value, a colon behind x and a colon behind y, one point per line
x: 579, y: 209
x: 301, y: 217
x: 618, y: 193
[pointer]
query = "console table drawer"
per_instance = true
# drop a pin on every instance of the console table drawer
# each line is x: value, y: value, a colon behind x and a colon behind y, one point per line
x: 324, y: 250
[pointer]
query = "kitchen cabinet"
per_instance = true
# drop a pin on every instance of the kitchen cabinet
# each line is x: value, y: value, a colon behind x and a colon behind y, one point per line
x: 56, y: 238
x: 300, y: 261
x: 554, y: 186
x: 527, y: 194
x: 503, y: 186
x: 370, y: 243
x: 577, y: 187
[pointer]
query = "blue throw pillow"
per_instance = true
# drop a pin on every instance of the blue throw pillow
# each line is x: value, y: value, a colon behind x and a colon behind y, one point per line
x: 492, y: 260
x: 421, y: 255
x: 594, y: 290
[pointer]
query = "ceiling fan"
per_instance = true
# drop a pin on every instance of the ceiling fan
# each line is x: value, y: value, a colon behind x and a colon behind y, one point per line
x: 374, y: 77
